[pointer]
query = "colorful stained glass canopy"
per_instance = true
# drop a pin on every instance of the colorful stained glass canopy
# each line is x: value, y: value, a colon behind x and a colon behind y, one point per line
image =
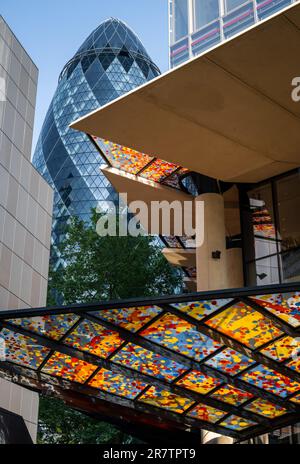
x: 226, y: 361
x: 139, y: 164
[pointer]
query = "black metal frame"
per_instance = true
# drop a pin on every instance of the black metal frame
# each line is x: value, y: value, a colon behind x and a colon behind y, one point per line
x: 40, y: 381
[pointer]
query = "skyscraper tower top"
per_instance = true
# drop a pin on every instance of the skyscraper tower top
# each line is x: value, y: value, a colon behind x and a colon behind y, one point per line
x: 110, y: 62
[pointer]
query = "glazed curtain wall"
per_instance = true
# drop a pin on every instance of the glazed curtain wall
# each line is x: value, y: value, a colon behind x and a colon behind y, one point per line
x: 273, y: 248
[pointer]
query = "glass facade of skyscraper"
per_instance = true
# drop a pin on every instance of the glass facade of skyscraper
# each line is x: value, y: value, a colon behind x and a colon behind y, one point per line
x: 197, y: 25
x: 111, y: 62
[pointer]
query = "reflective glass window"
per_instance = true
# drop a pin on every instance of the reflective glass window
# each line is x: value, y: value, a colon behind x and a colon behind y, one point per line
x: 180, y: 19
x: 205, y: 11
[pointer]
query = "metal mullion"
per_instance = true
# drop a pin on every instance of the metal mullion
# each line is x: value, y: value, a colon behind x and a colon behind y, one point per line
x: 230, y: 342
x: 170, y: 175
x: 49, y: 355
x: 276, y: 223
x: 279, y: 323
x: 206, y: 318
x: 107, y: 359
x: 142, y: 393
x: 269, y: 343
x: 146, y: 166
x: 70, y: 330
x: 190, y: 408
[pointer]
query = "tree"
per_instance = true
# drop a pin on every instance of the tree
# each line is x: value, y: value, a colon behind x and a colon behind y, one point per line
x: 104, y: 268
x: 97, y: 269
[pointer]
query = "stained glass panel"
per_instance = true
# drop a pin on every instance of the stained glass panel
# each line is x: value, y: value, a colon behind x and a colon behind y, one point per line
x: 282, y: 349
x: 200, y: 309
x: 69, y: 368
x: 21, y: 350
x: 50, y: 326
x: 131, y: 319
x: 148, y: 362
x: 122, y: 157
x: 286, y: 306
x: 265, y: 408
x: 206, y: 413
x: 178, y: 335
x: 94, y: 338
x: 158, y: 170
x: 271, y: 381
x: 230, y: 361
x: 199, y: 382
x: 231, y: 395
x: 237, y: 423
x: 245, y: 325
x: 117, y: 384
x: 166, y: 400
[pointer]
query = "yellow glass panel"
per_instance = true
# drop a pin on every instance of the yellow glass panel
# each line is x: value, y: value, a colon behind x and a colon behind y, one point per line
x: 245, y: 325
x: 265, y: 408
x: 164, y: 399
x: 281, y: 349
x: 237, y: 423
x: 117, y: 384
x: 231, y: 395
x: 199, y: 382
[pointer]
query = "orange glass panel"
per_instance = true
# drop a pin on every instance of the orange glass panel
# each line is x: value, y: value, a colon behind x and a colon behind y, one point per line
x: 245, y: 325
x: 117, y: 384
x: 69, y: 368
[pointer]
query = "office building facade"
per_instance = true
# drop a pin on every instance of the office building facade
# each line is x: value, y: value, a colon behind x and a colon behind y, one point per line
x: 25, y: 207
x: 195, y: 26
x: 111, y: 62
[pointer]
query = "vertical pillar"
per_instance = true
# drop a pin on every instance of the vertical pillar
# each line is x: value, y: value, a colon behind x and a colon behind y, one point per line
x: 211, y: 438
x: 211, y: 272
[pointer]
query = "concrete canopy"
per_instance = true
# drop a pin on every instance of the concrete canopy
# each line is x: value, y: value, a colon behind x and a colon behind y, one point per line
x: 227, y: 114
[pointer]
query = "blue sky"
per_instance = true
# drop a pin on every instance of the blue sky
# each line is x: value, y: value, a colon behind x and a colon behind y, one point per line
x: 52, y: 31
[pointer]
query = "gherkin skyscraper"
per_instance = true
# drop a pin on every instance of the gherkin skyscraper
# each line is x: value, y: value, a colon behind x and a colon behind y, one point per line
x: 111, y: 62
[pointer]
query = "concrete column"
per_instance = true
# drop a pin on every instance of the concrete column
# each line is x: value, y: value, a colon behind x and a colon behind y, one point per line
x: 211, y: 438
x: 211, y: 273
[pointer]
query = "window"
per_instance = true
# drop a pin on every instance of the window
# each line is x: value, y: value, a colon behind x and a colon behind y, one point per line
x: 232, y: 4
x: 276, y: 231
x: 181, y: 22
x: 205, y: 11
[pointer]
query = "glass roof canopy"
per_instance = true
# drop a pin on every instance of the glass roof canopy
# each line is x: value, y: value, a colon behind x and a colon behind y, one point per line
x: 224, y: 361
